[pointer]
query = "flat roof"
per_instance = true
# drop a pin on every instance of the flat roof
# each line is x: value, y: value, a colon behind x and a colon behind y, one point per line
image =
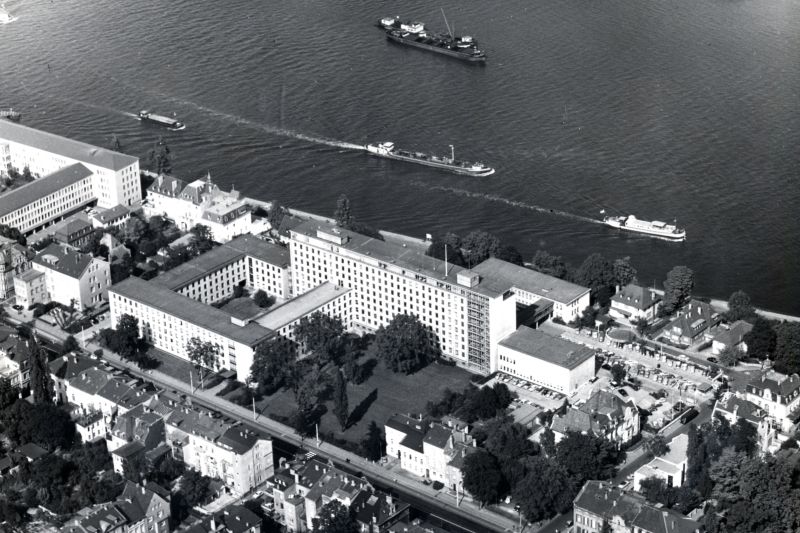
x: 221, y: 256
x: 302, y: 305
x: 42, y: 187
x: 536, y: 343
x: 189, y: 310
x: 50, y: 142
x: 501, y: 275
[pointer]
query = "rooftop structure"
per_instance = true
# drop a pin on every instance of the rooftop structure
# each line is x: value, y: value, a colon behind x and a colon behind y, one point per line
x: 546, y: 347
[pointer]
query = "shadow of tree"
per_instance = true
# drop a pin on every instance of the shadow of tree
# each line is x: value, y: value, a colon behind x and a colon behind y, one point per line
x: 362, y: 408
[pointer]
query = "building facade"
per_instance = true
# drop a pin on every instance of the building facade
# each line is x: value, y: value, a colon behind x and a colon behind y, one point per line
x: 546, y: 360
x: 635, y: 303
x: 73, y: 277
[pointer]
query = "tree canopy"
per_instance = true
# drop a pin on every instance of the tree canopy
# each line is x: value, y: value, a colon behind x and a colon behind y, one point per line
x: 740, y: 307
x: 160, y: 157
x: 549, y: 264
x: 624, y: 272
x: 587, y: 456
x: 334, y: 517
x: 44, y: 424
x: 41, y: 383
x: 406, y: 345
x: 761, y: 339
x: 677, y: 288
x: 597, y: 273
x: 545, y: 489
x: 482, y: 477
x: 322, y: 335
x: 787, y: 347
x: 272, y: 361
x: 340, y: 404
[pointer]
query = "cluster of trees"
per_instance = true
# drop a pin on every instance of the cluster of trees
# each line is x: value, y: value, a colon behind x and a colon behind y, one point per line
x: 192, y: 489
x: 11, y: 232
x: 474, y: 403
x: 159, y: 158
x: 335, y: 517
x: 125, y: 341
x: 345, y: 219
x: 746, y: 491
x: 543, y: 479
x: 407, y: 345
x: 598, y: 273
x: 777, y: 341
x: 474, y: 248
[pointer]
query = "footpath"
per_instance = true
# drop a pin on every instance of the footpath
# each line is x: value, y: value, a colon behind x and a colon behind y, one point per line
x: 395, y: 477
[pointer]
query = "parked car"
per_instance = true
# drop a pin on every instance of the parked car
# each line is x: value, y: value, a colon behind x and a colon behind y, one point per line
x: 622, y: 392
x: 689, y: 415
x: 711, y: 359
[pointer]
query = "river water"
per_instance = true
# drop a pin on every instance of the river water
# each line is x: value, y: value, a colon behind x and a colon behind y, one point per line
x: 668, y: 109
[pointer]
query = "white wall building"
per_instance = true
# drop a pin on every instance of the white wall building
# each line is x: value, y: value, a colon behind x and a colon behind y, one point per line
x: 30, y: 288
x: 778, y: 395
x: 115, y: 176
x: 635, y: 303
x: 546, y: 360
x: 671, y: 467
x: 239, y: 457
x: 73, y: 276
x: 393, y: 277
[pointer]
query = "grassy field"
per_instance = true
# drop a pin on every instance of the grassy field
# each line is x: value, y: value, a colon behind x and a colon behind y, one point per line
x: 396, y: 393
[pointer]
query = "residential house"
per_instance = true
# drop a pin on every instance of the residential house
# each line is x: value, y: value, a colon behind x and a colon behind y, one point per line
x: 732, y: 406
x: 605, y: 414
x: 693, y: 324
x: 65, y: 368
x: 14, y: 259
x: 731, y: 336
x: 72, y: 277
x: 671, y: 467
x: 434, y: 451
x: 112, y: 217
x: 633, y: 302
x: 231, y: 519
x: 778, y: 395
x: 600, y: 504
x: 74, y: 232
x: 139, y: 509
x: 30, y: 288
x: 14, y: 360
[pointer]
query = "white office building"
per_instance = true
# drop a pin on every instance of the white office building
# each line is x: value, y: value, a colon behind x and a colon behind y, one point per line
x: 70, y: 277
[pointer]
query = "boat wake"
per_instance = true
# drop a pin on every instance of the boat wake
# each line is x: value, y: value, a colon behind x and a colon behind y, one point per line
x: 513, y: 203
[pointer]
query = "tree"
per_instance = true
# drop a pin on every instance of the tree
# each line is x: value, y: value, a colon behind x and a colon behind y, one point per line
x: 549, y: 264
x: 203, y: 238
x: 730, y: 356
x: 452, y: 244
x: 70, y: 345
x: 478, y: 246
x: 125, y: 340
x: 203, y: 354
x: 587, y: 318
x: 640, y: 324
x: 548, y: 442
x: 740, y: 307
x: 321, y: 335
x: 406, y: 345
x: 271, y: 363
x: 482, y: 477
x: 744, y: 437
x: 343, y: 215
x: 334, y: 517
x: 340, y: 407
x: 26, y: 174
x: 597, y: 273
x: 115, y: 145
x: 41, y: 383
x: 761, y: 339
x: 655, y: 446
x: 587, y: 456
x: 677, y: 288
x: 133, y: 231
x: 545, y: 490
x: 44, y: 424
x: 276, y: 214
x: 372, y: 445
x: 262, y: 299
x: 308, y: 383
x: 13, y: 233
x: 160, y: 157
x: 8, y: 393
x: 624, y: 272
x: 787, y: 347
x: 618, y: 373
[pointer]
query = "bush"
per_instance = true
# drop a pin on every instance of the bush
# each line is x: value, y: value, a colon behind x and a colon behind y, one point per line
x: 231, y: 386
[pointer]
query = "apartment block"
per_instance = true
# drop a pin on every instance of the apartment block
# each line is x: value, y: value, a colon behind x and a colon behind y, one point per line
x: 114, y: 176
x: 139, y: 509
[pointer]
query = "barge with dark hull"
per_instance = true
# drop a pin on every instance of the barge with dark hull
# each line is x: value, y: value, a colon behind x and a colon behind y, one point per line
x: 161, y: 120
x: 451, y: 164
x: 414, y: 34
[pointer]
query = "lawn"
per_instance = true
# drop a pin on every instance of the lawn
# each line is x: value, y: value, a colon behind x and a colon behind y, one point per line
x: 396, y: 393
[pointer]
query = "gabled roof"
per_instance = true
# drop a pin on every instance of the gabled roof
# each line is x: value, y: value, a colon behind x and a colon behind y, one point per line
x: 231, y: 519
x: 63, y: 259
x: 42, y: 187
x: 239, y: 439
x: 438, y: 436
x: 695, y: 318
x: 601, y: 499
x: 68, y: 366
x: 90, y: 381
x: 635, y: 296
x: 777, y: 383
x: 734, y: 334
x: 63, y: 146
x: 31, y: 451
x: 167, y: 186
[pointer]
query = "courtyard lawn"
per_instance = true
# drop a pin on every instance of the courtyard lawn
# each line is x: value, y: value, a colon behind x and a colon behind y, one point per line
x: 396, y: 393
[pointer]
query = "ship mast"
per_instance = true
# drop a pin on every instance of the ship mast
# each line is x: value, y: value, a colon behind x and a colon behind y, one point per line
x: 446, y: 24
x: 452, y: 154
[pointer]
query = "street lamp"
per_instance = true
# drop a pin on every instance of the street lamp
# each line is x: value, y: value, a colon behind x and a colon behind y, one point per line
x: 519, y: 514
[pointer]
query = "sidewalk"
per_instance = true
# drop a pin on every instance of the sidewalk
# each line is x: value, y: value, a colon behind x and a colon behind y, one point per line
x: 488, y: 519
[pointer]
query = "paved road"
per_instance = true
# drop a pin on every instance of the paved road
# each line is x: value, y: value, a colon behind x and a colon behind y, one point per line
x: 468, y: 514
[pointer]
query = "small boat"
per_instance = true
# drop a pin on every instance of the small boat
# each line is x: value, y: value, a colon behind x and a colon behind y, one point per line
x: 10, y: 114
x: 655, y: 228
x: 169, y: 123
x: 389, y: 151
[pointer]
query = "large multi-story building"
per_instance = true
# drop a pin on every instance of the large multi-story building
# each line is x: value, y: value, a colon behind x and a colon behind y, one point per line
x: 246, y: 261
x: 469, y: 310
x: 778, y: 395
x: 113, y: 177
x: 139, y: 509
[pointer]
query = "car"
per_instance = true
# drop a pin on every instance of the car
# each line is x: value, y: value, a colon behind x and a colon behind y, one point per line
x: 689, y: 415
x: 622, y: 484
x: 622, y: 392
x: 17, y: 307
x: 711, y: 359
